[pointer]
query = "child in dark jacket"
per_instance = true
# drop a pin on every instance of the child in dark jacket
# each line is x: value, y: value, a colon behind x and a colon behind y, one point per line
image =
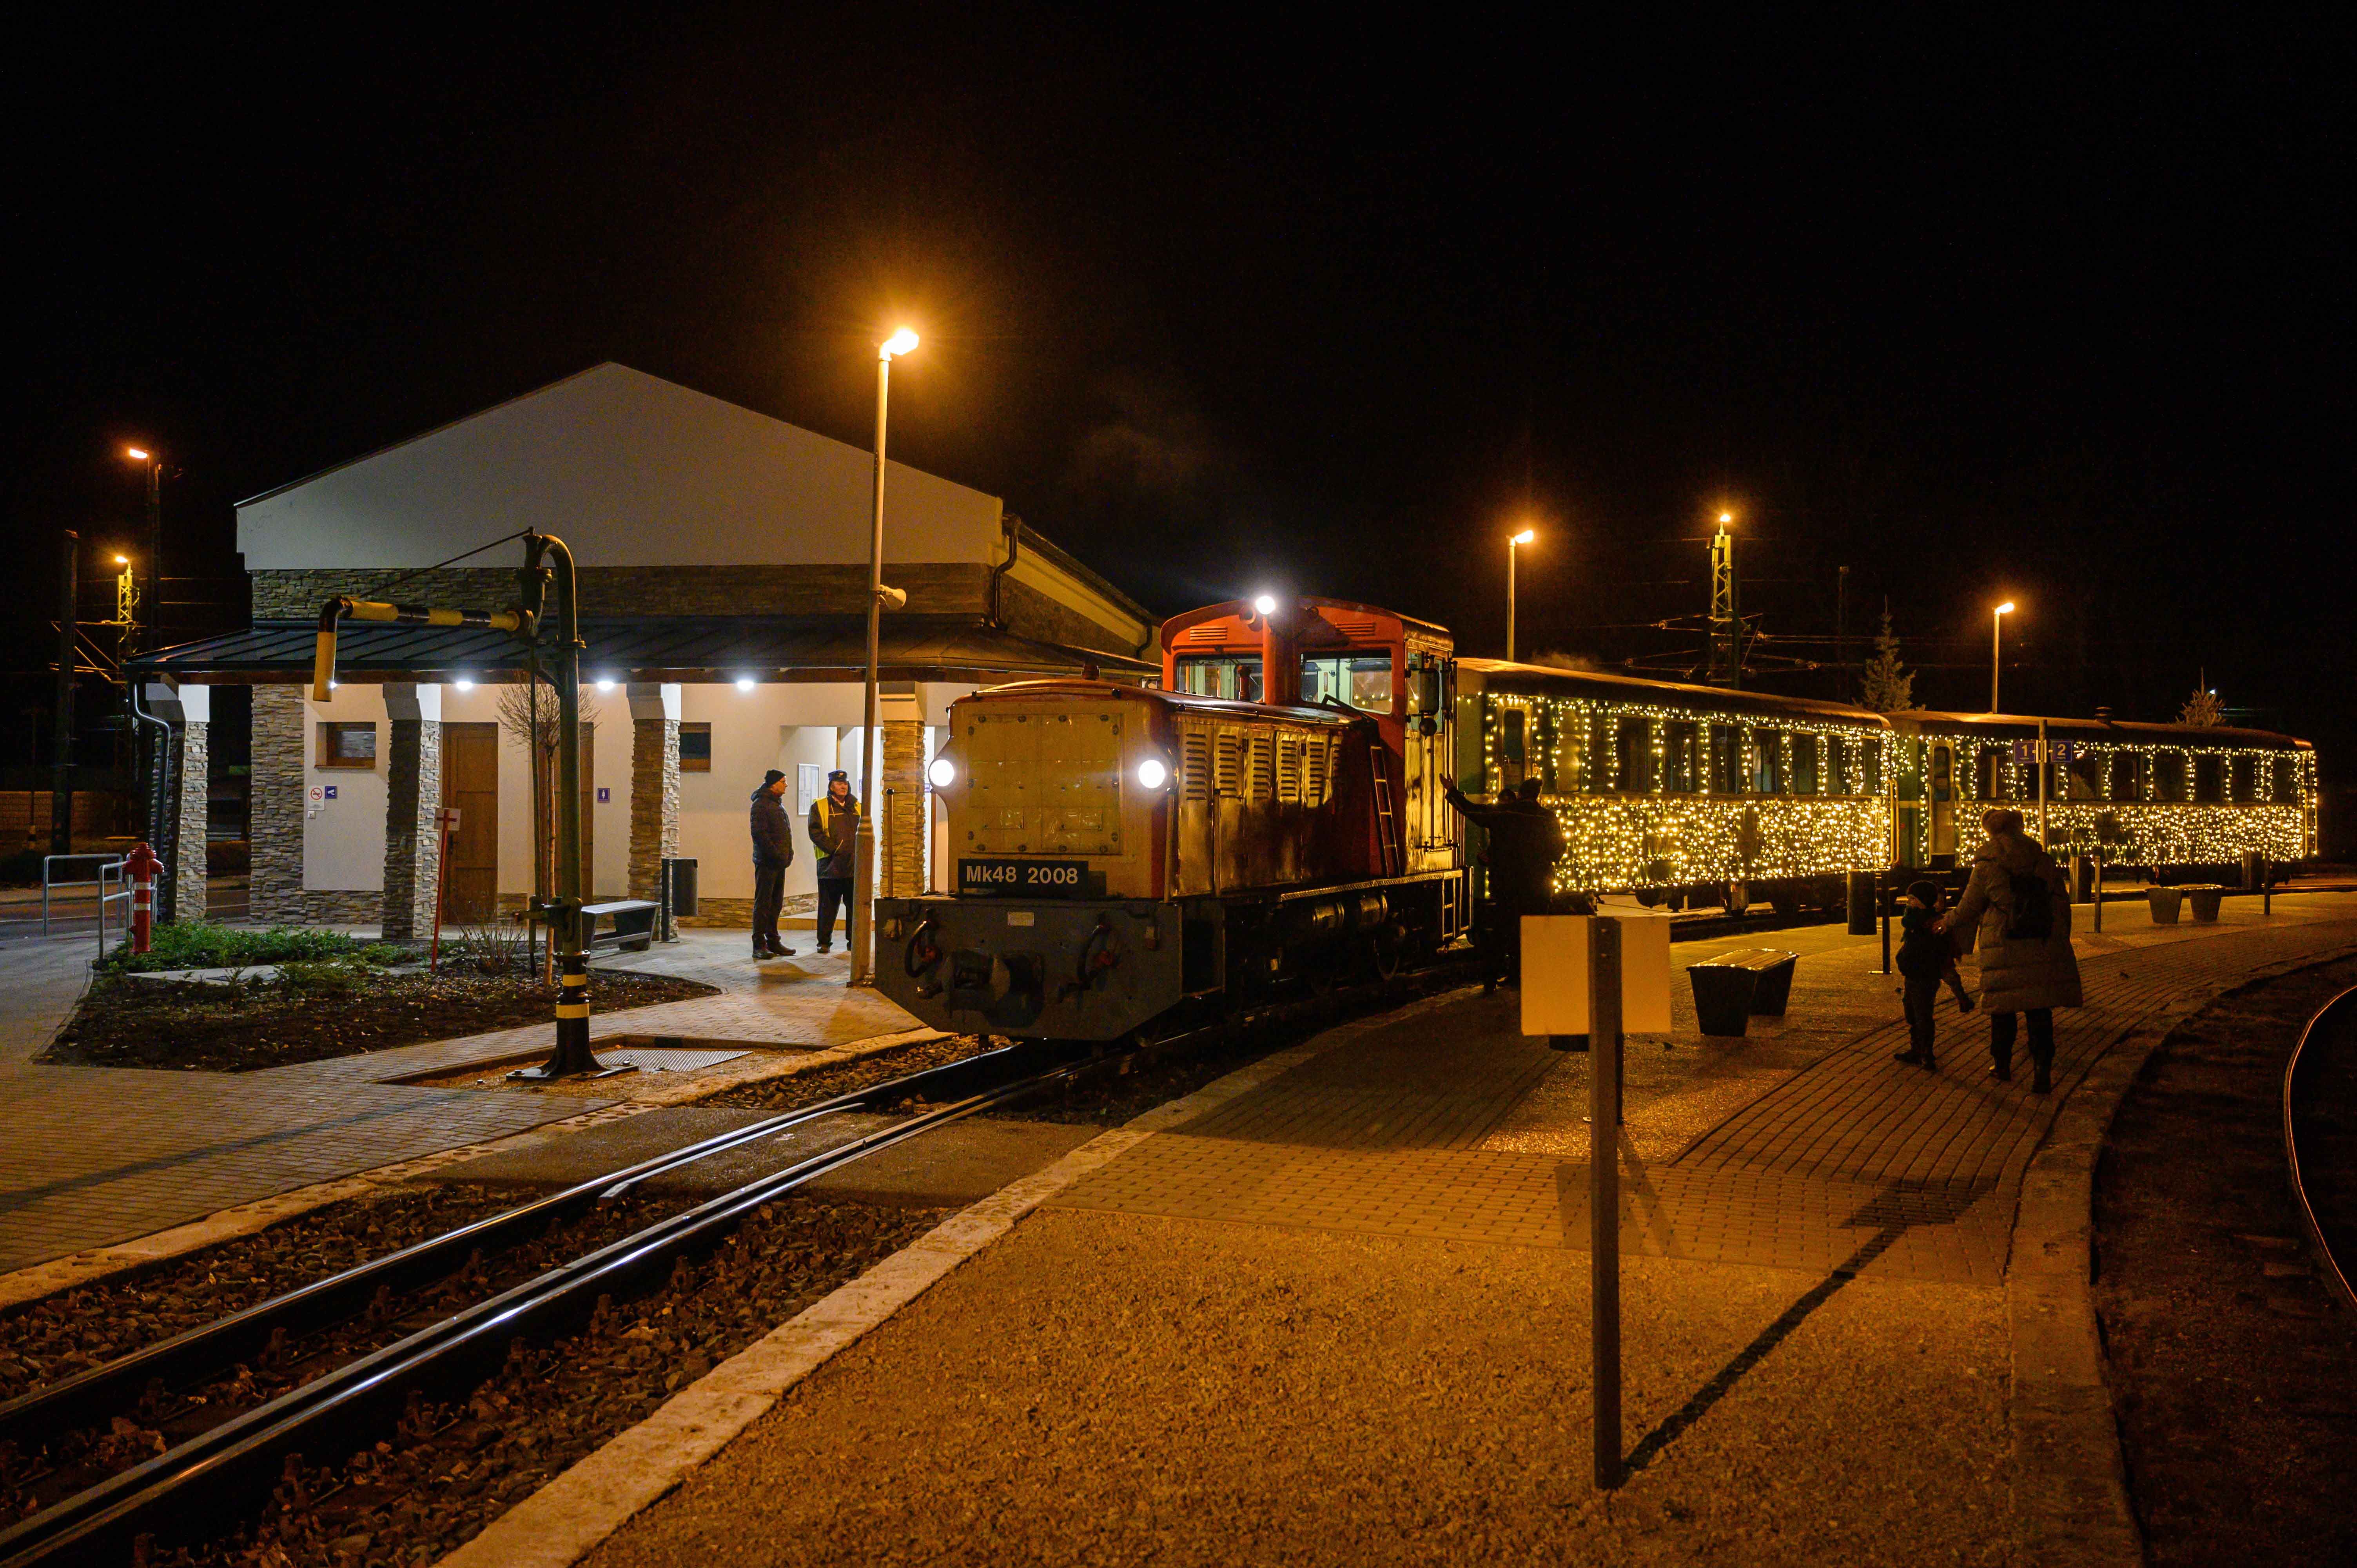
x: 1926, y: 958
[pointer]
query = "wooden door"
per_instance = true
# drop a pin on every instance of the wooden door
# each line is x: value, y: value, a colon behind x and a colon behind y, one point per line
x: 470, y: 786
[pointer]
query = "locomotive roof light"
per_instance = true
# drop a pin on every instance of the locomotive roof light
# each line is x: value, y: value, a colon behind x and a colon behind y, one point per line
x: 1265, y: 604
x: 744, y: 682
x: 1153, y: 773
x: 941, y: 773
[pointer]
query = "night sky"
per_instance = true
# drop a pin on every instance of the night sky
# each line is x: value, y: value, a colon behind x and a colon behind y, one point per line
x: 2051, y: 311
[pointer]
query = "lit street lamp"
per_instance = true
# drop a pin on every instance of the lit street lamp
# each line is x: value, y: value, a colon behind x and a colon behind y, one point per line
x: 154, y: 544
x: 863, y: 897
x: 1514, y: 548
x: 1997, y: 647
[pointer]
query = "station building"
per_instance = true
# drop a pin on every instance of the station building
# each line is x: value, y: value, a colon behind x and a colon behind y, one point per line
x: 722, y: 578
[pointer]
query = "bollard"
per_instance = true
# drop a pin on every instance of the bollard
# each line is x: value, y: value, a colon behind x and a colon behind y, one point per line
x: 1882, y: 896
x: 2099, y: 891
x: 1861, y: 888
x: 141, y: 866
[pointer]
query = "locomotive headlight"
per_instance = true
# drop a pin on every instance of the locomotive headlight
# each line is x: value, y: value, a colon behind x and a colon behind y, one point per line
x: 1153, y: 773
x: 943, y: 773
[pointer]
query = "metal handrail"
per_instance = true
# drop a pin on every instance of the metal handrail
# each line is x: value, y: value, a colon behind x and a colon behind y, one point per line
x: 110, y: 872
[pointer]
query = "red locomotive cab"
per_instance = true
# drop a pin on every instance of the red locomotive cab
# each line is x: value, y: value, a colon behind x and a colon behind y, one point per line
x: 1393, y: 670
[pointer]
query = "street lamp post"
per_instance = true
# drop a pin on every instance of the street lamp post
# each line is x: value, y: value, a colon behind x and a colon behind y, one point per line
x: 1514, y: 547
x: 863, y: 859
x: 1997, y: 648
x: 152, y: 637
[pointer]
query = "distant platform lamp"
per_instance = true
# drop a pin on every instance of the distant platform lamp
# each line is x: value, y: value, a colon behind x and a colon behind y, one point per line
x: 1513, y: 548
x: 863, y: 860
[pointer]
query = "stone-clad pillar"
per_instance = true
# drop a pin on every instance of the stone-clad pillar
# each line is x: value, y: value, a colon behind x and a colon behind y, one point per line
x: 277, y: 832
x: 654, y: 784
x: 188, y: 709
x: 413, y: 810
x: 901, y: 821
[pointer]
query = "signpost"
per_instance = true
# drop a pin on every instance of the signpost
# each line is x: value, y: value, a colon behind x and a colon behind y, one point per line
x: 1598, y: 977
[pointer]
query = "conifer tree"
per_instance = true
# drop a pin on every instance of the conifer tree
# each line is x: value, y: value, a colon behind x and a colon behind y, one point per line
x: 2202, y: 708
x: 1885, y: 684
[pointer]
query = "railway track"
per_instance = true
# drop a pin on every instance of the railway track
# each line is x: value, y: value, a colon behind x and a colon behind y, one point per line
x: 2319, y: 1129
x: 202, y: 1485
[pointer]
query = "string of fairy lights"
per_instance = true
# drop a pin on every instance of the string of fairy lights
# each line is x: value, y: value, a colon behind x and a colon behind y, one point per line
x: 1725, y: 797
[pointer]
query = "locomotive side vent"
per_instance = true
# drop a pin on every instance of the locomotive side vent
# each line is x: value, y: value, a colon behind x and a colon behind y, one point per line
x: 1194, y: 763
x: 1288, y: 768
x: 1260, y: 783
x: 1316, y: 769
x: 1227, y: 778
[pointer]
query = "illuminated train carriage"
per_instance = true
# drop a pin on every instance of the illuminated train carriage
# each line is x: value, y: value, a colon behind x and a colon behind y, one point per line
x: 1684, y: 795
x: 1116, y: 854
x: 2174, y: 797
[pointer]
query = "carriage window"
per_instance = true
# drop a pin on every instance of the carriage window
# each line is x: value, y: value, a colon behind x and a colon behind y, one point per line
x: 1766, y: 762
x: 1804, y: 765
x: 1984, y: 774
x: 1837, y: 780
x: 2170, y: 777
x: 2208, y: 778
x: 2247, y: 779
x: 1678, y: 756
x: 1511, y: 749
x: 2086, y: 779
x: 2286, y: 780
x: 2128, y: 776
x: 1361, y: 680
x: 1726, y: 760
x: 1234, y: 677
x: 1873, y: 750
x: 1632, y: 756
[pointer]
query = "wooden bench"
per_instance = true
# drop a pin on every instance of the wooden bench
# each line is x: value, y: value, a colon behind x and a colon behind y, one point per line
x: 1730, y: 989
x: 632, y: 925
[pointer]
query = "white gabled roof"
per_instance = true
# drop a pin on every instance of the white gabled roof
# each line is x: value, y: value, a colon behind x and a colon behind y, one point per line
x: 630, y: 470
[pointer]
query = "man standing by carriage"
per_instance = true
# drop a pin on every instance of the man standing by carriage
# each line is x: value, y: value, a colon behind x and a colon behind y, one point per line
x: 1525, y: 841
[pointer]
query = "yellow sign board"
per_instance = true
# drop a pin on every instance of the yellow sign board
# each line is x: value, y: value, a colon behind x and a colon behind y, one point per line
x: 1556, y: 970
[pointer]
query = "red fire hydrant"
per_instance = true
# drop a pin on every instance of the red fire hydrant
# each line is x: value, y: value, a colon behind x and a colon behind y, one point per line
x: 140, y: 867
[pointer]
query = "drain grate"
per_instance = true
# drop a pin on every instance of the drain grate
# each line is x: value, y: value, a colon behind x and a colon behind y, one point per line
x: 666, y: 1059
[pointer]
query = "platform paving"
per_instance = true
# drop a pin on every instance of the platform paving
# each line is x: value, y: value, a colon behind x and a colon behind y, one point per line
x: 92, y: 1157
x: 1337, y: 1315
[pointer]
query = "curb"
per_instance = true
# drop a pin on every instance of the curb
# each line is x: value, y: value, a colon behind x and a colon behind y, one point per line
x: 2070, y: 1499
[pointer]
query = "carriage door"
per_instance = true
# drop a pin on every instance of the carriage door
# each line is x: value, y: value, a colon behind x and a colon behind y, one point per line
x: 1431, y: 824
x: 1942, y: 793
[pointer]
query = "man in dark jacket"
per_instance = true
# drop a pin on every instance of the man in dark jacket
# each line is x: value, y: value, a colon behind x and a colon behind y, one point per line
x: 1525, y: 841
x: 835, y: 833
x: 773, y: 851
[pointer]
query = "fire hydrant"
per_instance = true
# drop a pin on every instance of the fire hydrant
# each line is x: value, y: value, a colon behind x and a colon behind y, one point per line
x: 140, y: 867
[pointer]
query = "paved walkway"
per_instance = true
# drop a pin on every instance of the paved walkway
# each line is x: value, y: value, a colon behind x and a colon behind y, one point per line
x: 1330, y: 1318
x: 90, y: 1156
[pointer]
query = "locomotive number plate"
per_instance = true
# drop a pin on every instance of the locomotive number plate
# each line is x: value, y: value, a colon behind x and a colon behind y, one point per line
x: 1033, y: 878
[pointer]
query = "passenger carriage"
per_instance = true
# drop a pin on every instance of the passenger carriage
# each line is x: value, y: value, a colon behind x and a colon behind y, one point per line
x: 2174, y: 799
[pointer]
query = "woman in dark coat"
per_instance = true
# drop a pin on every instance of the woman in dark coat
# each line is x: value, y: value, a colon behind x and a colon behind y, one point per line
x: 2018, y: 906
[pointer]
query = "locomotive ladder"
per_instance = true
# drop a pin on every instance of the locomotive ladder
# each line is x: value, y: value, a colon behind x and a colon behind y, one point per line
x: 1387, y: 827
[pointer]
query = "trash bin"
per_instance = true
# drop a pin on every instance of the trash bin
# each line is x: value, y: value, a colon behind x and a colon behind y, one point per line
x: 2164, y: 903
x: 1861, y: 903
x: 2082, y: 880
x: 2203, y: 896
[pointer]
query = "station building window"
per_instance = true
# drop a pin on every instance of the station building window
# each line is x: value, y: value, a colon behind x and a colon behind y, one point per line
x: 347, y: 746
x: 695, y: 746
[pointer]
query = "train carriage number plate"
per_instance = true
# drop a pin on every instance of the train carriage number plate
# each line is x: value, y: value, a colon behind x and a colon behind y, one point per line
x: 1032, y: 878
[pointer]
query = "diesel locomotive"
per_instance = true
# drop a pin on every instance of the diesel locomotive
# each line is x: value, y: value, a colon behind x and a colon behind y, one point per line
x: 1271, y: 817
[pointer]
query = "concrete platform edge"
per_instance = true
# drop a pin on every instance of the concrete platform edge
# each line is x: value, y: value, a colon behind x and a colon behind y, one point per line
x: 2069, y: 1491
x: 577, y: 1510
x: 96, y: 1263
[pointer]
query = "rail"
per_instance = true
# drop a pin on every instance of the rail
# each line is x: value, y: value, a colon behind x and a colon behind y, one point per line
x: 110, y: 872
x: 2335, y: 1016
